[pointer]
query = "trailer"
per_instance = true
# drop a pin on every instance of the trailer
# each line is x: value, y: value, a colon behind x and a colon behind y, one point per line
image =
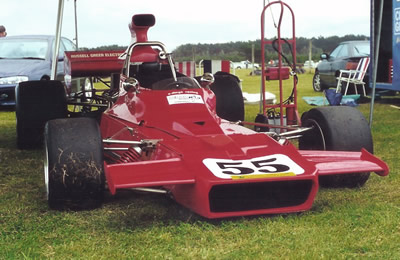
x: 385, y: 44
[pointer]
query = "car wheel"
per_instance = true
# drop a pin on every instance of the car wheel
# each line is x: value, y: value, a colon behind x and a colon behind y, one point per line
x: 317, y: 82
x: 230, y: 104
x: 36, y: 103
x: 87, y: 89
x: 337, y: 129
x: 74, y: 174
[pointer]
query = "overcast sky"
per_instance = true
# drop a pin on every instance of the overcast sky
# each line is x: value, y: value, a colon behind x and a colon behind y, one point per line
x: 105, y: 22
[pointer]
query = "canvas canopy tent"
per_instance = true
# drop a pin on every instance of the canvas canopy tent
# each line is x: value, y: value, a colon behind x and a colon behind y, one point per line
x: 60, y: 15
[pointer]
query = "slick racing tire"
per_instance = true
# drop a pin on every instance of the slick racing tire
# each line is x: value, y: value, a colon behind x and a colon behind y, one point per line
x: 337, y: 128
x: 230, y: 104
x: 316, y: 83
x: 36, y: 103
x: 74, y: 173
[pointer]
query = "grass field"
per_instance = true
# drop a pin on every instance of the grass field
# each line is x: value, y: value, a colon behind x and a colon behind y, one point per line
x: 342, y: 224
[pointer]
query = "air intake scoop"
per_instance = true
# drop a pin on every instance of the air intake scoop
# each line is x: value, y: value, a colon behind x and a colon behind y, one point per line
x: 140, y: 25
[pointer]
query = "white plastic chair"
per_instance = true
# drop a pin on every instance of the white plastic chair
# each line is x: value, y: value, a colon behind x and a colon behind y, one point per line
x: 356, y: 77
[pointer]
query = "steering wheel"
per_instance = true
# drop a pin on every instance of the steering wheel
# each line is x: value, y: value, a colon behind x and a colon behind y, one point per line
x: 178, y: 85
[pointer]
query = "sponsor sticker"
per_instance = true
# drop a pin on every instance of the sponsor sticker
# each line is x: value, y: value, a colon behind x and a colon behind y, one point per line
x: 185, y: 99
x: 277, y: 165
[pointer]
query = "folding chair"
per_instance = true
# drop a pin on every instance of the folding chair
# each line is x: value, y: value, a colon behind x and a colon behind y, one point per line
x: 356, y: 77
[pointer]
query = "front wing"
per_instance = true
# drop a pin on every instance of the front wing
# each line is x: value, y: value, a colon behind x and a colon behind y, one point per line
x: 216, y: 198
x: 337, y: 162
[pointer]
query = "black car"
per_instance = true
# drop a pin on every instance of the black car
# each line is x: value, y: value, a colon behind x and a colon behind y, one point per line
x: 345, y: 56
x: 28, y: 57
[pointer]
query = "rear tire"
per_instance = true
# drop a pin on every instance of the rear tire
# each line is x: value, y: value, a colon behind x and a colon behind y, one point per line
x: 230, y: 104
x: 74, y: 174
x: 337, y: 129
x: 36, y: 103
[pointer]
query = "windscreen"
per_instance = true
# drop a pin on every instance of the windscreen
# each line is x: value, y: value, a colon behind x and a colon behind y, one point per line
x: 362, y: 49
x: 23, y: 49
x: 181, y: 83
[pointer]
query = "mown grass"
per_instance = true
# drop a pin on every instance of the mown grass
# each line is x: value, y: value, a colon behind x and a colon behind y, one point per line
x: 342, y: 224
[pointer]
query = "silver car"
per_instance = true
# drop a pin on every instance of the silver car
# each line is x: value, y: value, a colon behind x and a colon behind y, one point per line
x: 345, y: 56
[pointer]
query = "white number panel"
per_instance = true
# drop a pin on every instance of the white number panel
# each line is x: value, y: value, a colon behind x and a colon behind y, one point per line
x: 262, y: 167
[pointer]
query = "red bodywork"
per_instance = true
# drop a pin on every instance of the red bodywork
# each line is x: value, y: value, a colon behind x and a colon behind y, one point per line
x: 192, y: 133
x: 214, y: 167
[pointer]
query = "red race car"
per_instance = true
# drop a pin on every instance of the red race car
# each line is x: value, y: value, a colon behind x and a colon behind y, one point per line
x: 158, y: 130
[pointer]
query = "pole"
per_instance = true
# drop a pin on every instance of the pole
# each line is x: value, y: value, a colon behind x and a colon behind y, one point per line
x: 57, y: 40
x: 76, y: 27
x: 310, y: 55
x: 252, y: 59
x: 376, y: 57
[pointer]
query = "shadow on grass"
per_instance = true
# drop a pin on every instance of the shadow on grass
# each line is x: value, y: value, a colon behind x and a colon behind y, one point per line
x: 137, y: 210
x: 387, y: 100
x: 134, y: 209
x: 7, y: 108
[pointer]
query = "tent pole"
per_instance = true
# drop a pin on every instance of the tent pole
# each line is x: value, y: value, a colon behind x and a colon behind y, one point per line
x: 76, y: 27
x: 376, y: 57
x: 57, y: 40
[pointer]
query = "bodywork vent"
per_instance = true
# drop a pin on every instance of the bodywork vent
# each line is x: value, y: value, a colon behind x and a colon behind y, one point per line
x: 257, y: 196
x: 130, y: 156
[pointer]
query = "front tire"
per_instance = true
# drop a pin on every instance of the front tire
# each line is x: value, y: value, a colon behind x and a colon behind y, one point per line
x: 337, y: 129
x: 74, y: 174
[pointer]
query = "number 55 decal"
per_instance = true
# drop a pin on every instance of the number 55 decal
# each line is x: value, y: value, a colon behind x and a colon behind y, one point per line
x: 261, y: 167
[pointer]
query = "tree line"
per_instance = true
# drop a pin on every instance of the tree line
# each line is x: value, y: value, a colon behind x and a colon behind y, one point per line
x: 242, y: 50
x: 239, y: 51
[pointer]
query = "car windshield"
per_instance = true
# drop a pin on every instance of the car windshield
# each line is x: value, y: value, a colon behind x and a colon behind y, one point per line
x: 361, y: 49
x: 336, y: 51
x: 23, y: 49
x: 181, y: 83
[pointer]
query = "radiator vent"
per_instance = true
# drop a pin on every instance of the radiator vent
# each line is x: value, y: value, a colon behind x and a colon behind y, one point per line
x: 257, y: 196
x: 130, y: 156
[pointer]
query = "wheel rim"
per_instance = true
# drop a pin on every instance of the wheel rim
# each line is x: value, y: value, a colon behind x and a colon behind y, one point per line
x: 317, y: 128
x: 46, y: 170
x: 87, y: 88
x: 317, y: 83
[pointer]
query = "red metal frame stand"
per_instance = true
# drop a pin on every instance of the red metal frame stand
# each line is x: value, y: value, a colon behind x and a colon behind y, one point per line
x: 285, y: 109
